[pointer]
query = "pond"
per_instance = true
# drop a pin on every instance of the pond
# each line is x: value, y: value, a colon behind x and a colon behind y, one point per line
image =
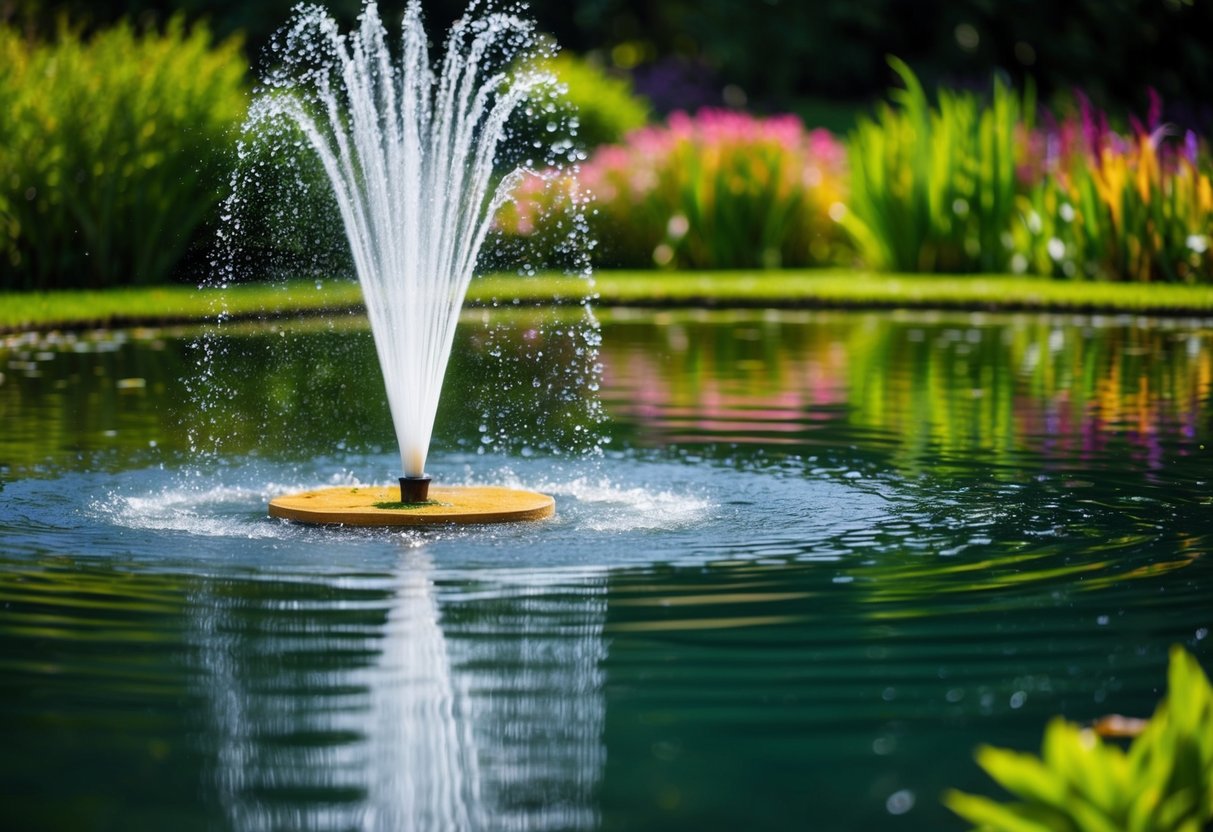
x: 820, y: 559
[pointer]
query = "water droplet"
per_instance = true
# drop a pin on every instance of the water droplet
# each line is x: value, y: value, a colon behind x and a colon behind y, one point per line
x: 884, y: 746
x: 900, y: 802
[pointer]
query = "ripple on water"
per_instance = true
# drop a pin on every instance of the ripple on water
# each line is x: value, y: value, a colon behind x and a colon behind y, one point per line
x: 616, y: 512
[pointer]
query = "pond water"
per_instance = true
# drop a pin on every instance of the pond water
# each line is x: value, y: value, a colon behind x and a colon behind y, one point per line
x: 821, y: 558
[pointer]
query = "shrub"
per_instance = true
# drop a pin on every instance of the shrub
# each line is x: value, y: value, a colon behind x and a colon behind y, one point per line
x: 112, y: 151
x: 716, y: 190
x: 933, y: 188
x: 1163, y: 783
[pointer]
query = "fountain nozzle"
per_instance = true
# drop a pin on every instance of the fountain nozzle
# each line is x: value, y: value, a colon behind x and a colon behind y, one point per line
x: 414, y: 489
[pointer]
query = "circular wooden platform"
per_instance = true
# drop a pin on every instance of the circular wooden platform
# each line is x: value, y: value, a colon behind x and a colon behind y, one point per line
x: 357, y: 506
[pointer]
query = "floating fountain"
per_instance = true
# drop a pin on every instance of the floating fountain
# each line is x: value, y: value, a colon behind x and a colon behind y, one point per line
x: 408, y: 149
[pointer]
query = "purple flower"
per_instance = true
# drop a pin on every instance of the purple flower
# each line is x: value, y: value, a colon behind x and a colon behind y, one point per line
x: 1191, y: 146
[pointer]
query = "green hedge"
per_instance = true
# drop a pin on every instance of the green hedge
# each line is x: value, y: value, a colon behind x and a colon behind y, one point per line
x: 114, y: 150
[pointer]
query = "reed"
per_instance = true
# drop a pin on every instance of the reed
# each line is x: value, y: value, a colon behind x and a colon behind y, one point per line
x: 932, y: 188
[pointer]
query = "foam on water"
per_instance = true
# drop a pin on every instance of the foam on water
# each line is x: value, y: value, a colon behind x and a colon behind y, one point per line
x: 628, y: 511
x: 238, y: 511
x: 605, y: 506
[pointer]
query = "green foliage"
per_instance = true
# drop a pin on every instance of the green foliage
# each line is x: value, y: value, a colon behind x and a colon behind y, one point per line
x: 933, y: 188
x: 1162, y: 783
x: 113, y: 151
x: 780, y: 51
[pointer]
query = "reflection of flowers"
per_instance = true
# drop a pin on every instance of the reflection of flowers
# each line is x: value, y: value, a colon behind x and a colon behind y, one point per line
x: 703, y: 388
x: 1063, y: 392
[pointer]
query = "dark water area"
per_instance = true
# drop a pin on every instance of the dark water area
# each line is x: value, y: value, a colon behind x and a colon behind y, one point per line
x: 820, y: 559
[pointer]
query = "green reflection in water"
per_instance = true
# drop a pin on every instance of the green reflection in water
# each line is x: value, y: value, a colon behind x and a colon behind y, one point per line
x: 927, y: 390
x: 1042, y: 536
x: 96, y: 396
x: 518, y: 382
x: 930, y: 389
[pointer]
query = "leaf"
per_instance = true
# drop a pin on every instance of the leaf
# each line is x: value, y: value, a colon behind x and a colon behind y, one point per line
x: 1082, y: 784
x: 987, y: 814
x: 1024, y: 775
x: 1092, y: 768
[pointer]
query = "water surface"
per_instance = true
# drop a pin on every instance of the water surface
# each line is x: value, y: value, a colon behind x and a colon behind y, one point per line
x: 820, y: 559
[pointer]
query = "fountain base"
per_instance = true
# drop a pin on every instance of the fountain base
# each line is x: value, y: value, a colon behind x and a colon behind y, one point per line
x: 379, y: 506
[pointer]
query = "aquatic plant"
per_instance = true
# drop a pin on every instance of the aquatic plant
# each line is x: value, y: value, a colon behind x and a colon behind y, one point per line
x: 718, y: 189
x: 112, y: 149
x: 932, y: 188
x: 1117, y: 207
x: 1163, y: 782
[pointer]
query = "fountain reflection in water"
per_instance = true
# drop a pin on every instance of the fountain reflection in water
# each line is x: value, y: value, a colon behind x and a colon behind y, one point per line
x: 424, y: 771
x: 431, y: 715
x: 409, y: 152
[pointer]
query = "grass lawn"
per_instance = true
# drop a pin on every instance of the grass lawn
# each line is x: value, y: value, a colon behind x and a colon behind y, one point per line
x: 780, y: 289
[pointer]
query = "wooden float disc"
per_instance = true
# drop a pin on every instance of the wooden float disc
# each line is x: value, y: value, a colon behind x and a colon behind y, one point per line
x: 356, y: 506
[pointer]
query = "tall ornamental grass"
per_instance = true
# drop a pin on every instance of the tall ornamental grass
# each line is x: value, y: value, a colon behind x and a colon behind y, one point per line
x: 113, y: 151
x: 1106, y: 206
x: 719, y: 189
x: 932, y: 188
x: 970, y: 184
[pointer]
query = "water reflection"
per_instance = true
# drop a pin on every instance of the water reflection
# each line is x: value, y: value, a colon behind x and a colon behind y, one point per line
x: 66, y: 396
x: 425, y: 771
x: 380, y: 705
x: 922, y: 386
x: 926, y: 389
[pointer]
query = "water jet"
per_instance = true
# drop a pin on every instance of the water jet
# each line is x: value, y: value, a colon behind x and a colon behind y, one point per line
x: 409, y: 151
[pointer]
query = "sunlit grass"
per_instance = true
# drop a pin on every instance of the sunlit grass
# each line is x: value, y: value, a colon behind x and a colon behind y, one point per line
x: 807, y: 288
x: 168, y: 304
x: 847, y: 288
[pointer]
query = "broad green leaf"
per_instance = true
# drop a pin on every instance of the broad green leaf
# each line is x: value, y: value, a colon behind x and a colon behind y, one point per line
x: 1163, y: 784
x: 1024, y: 775
x: 989, y: 815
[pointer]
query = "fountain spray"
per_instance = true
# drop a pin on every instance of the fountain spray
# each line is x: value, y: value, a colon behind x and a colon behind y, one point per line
x: 408, y: 148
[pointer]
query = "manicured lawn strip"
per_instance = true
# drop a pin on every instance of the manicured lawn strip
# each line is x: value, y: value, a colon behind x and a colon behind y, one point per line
x: 786, y: 289
x: 845, y: 289
x: 169, y: 304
